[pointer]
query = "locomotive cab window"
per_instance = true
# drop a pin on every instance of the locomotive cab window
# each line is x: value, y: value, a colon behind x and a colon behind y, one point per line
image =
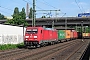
x: 32, y: 31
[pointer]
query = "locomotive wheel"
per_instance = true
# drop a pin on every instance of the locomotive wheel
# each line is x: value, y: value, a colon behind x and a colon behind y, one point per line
x: 38, y: 46
x: 52, y: 43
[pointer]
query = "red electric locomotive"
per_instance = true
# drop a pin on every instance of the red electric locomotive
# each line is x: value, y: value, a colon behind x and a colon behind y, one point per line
x: 36, y: 36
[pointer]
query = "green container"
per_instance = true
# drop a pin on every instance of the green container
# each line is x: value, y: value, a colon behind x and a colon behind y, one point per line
x: 61, y: 34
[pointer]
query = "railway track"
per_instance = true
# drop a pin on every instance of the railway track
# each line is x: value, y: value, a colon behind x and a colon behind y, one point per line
x: 79, y: 52
x: 12, y: 52
x: 42, y: 54
x: 39, y: 53
x: 72, y: 53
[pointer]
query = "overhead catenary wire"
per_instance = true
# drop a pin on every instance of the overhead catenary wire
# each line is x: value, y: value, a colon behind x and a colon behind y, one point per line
x: 38, y: 7
x: 49, y: 4
x: 46, y: 3
x: 4, y: 12
x: 6, y: 8
x: 14, y: 1
x: 31, y: 3
x: 52, y: 6
x: 28, y: 2
x: 78, y: 6
x: 82, y: 7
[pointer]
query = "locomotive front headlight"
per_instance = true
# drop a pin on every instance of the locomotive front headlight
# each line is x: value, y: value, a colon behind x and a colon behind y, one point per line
x: 26, y: 39
x: 26, y: 36
x: 35, y: 36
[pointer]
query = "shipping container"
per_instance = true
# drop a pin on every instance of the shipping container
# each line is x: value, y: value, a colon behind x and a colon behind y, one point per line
x: 68, y: 34
x: 76, y: 34
x: 61, y: 34
x: 73, y: 33
x: 87, y: 34
x: 72, y: 36
x: 84, y: 34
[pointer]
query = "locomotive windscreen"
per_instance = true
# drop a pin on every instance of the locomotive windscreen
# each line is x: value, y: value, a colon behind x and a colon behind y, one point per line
x: 34, y: 31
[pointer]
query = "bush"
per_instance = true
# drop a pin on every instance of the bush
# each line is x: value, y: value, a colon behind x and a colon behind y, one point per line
x: 10, y: 46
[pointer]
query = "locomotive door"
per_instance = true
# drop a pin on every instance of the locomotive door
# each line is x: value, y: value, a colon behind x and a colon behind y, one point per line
x: 41, y: 35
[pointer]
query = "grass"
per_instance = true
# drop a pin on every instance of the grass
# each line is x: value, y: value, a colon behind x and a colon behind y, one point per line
x: 10, y: 46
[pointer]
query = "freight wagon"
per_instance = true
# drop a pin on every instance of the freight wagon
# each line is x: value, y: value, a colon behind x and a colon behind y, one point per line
x: 83, y: 35
x: 75, y: 34
x: 66, y: 34
x: 61, y: 35
x: 86, y: 35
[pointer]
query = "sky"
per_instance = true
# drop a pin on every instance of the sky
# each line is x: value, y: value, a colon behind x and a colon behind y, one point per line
x: 70, y: 7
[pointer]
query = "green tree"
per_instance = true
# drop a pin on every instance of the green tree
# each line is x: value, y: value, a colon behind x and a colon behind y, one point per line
x: 43, y: 17
x: 18, y: 17
x: 2, y: 16
x: 23, y: 14
x: 30, y: 14
x: 16, y: 12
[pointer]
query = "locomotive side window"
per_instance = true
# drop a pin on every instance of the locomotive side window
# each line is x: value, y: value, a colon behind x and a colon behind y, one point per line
x: 33, y: 31
x: 41, y: 31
